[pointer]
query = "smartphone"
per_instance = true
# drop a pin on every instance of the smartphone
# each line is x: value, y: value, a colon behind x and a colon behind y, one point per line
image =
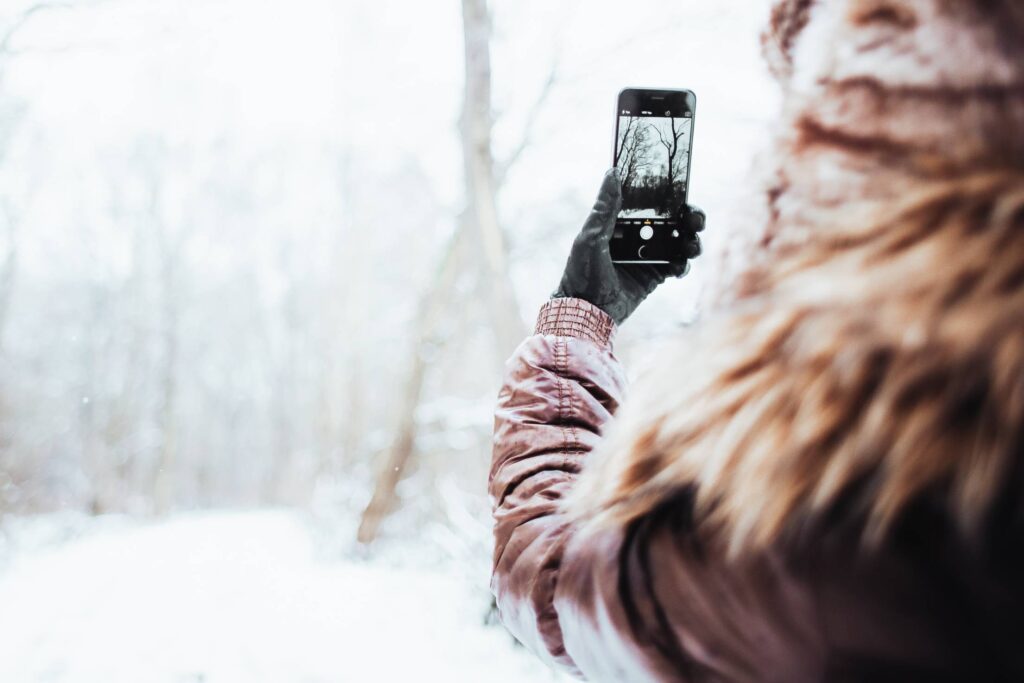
x: 653, y: 139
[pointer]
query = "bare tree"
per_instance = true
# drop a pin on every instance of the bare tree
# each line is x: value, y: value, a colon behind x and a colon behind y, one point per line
x: 9, y: 263
x: 633, y: 152
x: 479, y: 220
x: 526, y: 138
x: 479, y: 173
x: 431, y: 311
x: 8, y: 116
x: 21, y: 19
x: 670, y: 141
x: 624, y: 137
x: 10, y: 236
x: 168, y: 241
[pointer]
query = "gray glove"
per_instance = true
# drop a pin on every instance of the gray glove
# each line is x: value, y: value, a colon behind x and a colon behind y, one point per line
x: 618, y: 288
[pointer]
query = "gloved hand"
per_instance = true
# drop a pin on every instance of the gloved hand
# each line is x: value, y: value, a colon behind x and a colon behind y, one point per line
x: 618, y: 288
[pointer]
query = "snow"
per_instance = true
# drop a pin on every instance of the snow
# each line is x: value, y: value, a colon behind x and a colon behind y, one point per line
x: 640, y: 213
x: 238, y: 597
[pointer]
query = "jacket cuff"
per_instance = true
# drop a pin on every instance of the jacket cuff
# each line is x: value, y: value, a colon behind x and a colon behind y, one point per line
x: 575, y: 318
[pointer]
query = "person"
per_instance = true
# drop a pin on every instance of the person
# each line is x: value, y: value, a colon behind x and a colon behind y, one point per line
x: 822, y: 480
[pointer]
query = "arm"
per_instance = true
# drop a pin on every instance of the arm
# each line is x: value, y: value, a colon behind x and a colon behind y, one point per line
x: 561, y: 386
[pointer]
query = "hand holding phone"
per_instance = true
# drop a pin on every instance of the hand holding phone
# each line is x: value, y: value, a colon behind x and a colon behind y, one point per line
x: 618, y: 288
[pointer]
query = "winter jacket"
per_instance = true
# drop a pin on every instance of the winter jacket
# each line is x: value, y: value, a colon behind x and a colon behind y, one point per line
x: 658, y: 600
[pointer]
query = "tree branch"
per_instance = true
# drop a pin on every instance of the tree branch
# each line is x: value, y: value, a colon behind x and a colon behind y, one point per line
x: 531, y: 122
x: 19, y: 22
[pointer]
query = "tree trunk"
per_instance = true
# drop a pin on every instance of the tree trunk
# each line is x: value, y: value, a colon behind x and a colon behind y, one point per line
x: 432, y: 310
x: 165, y: 474
x: 482, y: 215
x: 164, y: 484
x: 481, y: 188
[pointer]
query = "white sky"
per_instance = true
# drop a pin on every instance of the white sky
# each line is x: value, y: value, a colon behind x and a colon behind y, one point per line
x: 387, y: 71
x: 385, y: 77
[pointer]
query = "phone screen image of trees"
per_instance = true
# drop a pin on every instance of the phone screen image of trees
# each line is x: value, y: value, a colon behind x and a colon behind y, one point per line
x: 652, y: 155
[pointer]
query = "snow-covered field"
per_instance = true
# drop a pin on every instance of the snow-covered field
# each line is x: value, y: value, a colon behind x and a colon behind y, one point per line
x: 237, y: 597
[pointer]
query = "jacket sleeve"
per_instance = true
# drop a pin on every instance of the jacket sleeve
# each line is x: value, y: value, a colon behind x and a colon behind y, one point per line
x: 561, y: 387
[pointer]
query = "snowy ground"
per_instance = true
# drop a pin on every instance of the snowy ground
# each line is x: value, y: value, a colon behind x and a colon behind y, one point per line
x: 237, y: 597
x: 641, y: 213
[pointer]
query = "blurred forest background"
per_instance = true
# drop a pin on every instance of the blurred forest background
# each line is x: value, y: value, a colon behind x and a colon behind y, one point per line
x: 266, y: 254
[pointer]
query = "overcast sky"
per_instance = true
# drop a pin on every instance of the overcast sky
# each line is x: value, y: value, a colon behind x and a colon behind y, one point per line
x: 384, y: 79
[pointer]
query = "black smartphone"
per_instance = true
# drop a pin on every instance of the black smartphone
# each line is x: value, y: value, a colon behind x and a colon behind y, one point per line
x: 653, y: 139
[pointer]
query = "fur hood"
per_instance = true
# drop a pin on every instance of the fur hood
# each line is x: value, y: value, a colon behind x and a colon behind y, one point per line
x: 868, y: 345
x: 879, y: 95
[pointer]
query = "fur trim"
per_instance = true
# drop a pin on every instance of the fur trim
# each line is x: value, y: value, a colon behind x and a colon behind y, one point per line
x: 873, y: 342
x: 880, y: 95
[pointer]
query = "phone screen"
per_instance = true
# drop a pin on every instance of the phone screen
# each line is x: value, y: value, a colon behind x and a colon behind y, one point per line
x: 652, y: 153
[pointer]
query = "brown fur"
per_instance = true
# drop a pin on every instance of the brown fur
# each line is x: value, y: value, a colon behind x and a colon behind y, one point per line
x: 873, y: 345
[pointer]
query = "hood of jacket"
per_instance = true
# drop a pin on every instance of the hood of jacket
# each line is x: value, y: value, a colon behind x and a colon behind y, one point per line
x: 866, y: 338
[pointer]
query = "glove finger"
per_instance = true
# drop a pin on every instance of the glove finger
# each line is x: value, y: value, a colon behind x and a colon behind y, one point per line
x: 601, y: 222
x: 694, y: 219
x: 693, y: 248
x: 668, y: 270
x: 676, y: 270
